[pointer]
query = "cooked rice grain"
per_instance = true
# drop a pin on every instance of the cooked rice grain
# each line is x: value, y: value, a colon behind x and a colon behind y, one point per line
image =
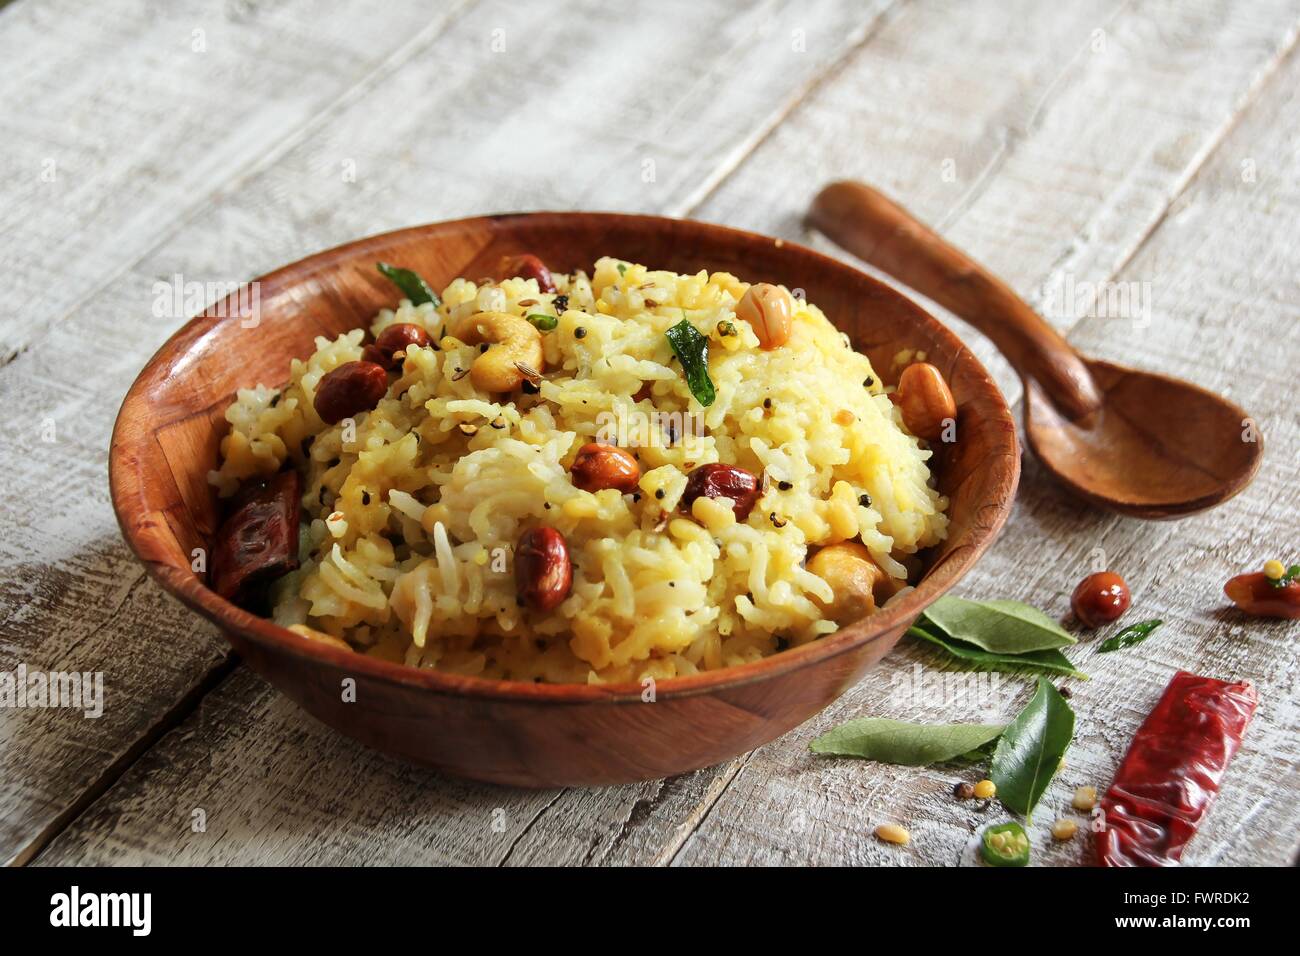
x: 407, y: 553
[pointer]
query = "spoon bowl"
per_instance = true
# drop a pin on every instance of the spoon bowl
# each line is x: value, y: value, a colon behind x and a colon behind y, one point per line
x: 1138, y: 443
x: 1158, y: 447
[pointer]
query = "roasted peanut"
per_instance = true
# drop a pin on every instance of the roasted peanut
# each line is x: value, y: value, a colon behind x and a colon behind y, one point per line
x: 1100, y: 598
x: 350, y: 389
x: 856, y: 579
x: 769, y: 310
x: 391, y: 343
x: 543, y: 573
x: 527, y: 266
x: 1256, y: 594
x: 516, y: 343
x: 600, y: 466
x: 717, y: 480
x: 925, y: 401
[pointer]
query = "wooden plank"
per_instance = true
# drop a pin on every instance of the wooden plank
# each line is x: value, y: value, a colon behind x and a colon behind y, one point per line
x: 128, y: 158
x: 1083, y: 232
x: 581, y: 825
x: 120, y: 120
x: 1222, y: 269
x: 467, y: 104
x: 1049, y: 160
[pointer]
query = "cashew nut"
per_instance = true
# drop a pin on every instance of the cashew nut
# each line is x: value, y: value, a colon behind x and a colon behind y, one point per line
x: 515, y: 343
x: 855, y: 578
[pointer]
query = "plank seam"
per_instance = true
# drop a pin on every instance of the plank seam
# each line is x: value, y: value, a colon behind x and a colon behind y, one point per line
x: 529, y: 825
x: 237, y: 177
x: 668, y: 856
x: 764, y: 131
x: 1248, y: 100
x: 1194, y: 169
x: 170, y: 720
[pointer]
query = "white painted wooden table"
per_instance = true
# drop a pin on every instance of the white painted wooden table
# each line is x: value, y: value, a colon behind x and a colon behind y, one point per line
x: 1152, y: 146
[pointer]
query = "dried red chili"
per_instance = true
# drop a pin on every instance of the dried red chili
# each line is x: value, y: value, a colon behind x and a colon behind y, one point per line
x: 1171, y: 773
x: 259, y: 538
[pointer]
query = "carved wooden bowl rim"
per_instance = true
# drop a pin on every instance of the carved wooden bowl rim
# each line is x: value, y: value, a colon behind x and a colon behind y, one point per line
x: 142, y: 519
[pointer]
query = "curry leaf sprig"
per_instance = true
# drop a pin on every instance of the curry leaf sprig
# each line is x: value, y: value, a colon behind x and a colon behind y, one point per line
x: 412, y: 285
x: 899, y: 742
x: 1031, y: 748
x: 1049, y: 659
x: 1028, y: 751
x: 996, y: 635
x: 692, y: 349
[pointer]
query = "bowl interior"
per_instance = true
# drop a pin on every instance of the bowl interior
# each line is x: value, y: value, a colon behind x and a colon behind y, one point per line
x: 169, y: 429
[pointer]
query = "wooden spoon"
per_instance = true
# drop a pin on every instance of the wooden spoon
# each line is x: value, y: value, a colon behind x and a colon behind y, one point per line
x: 1142, y: 444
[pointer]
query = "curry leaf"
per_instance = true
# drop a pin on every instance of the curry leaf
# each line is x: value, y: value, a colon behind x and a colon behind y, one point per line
x: 898, y: 742
x: 1133, y: 634
x: 1030, y: 749
x: 1002, y: 627
x: 411, y: 284
x: 1046, y: 660
x: 693, y: 350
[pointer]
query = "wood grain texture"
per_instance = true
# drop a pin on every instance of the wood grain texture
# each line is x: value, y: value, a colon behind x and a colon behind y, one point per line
x: 1223, y: 269
x: 363, y: 165
x: 1049, y: 161
x: 120, y: 120
x: 1067, y: 161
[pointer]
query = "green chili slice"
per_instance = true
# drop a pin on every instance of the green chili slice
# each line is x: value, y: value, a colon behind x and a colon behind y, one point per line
x: 543, y: 321
x: 412, y: 286
x: 1005, y: 845
x: 692, y: 349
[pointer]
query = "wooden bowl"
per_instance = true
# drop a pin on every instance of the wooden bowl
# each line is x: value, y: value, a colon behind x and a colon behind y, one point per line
x: 167, y: 434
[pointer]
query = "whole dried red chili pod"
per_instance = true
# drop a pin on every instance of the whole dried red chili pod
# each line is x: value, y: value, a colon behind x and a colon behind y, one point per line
x: 258, y: 540
x: 1171, y: 773
x: 350, y: 389
x: 527, y: 266
x: 543, y: 572
x: 717, y: 480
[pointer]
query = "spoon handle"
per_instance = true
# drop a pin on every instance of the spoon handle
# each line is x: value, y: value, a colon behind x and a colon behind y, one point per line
x: 877, y: 230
